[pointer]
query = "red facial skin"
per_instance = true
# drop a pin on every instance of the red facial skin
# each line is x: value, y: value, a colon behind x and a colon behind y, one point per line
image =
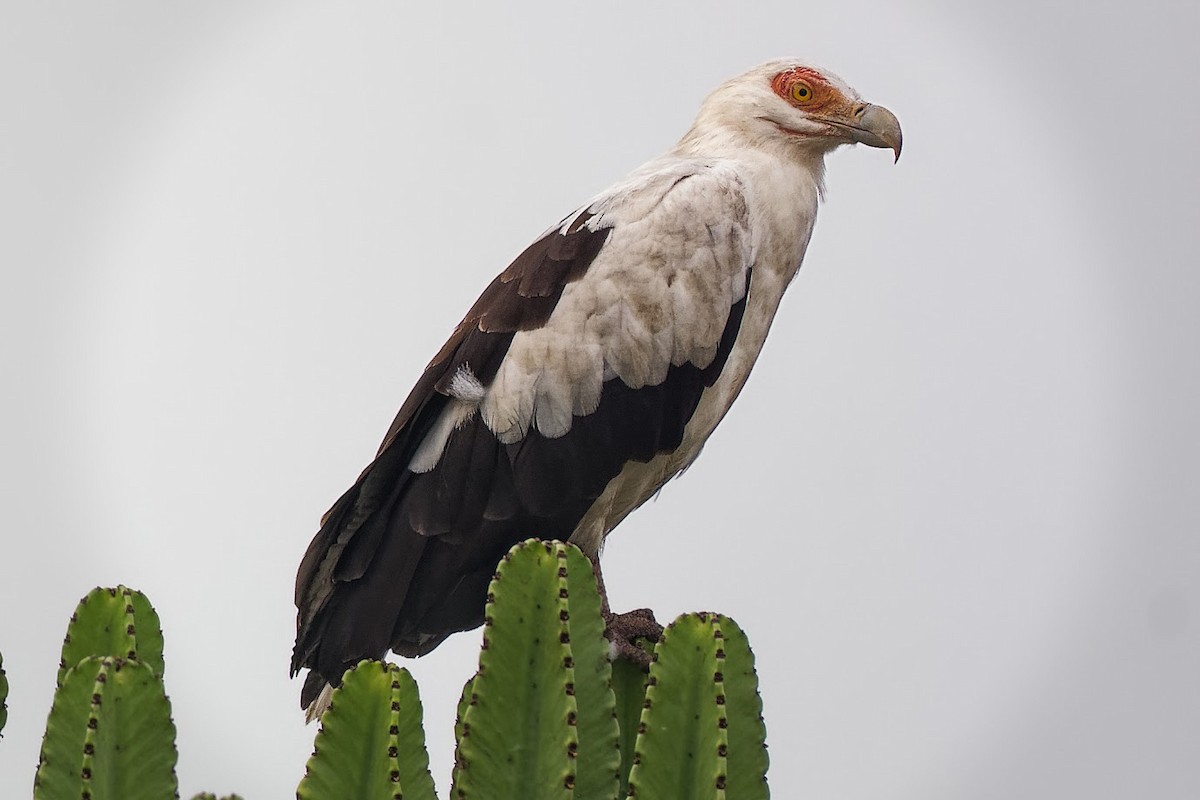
x: 826, y: 99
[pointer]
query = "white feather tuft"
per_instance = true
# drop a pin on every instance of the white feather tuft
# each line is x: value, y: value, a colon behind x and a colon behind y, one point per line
x: 319, y: 706
x: 454, y: 416
x: 465, y: 386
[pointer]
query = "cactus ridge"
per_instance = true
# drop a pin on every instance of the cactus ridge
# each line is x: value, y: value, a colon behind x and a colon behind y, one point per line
x: 538, y: 719
x: 465, y: 700
x: 371, y: 745
x: 629, y: 688
x: 545, y: 716
x: 117, y: 622
x: 747, y: 733
x: 109, y: 735
x: 598, y: 761
x: 518, y: 727
x: 694, y: 716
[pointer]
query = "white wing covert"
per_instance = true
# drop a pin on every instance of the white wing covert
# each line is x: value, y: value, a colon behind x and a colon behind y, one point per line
x: 658, y: 294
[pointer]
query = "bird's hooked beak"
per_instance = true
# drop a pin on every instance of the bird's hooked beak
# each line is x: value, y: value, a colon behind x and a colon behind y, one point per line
x: 873, y: 126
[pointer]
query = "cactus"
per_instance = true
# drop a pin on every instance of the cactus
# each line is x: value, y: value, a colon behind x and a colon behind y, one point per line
x: 109, y: 733
x: 747, y: 733
x: 116, y: 622
x: 545, y: 716
x: 371, y: 744
x: 629, y: 689
x: 464, y: 700
x: 692, y: 728
x: 701, y: 733
x: 540, y: 721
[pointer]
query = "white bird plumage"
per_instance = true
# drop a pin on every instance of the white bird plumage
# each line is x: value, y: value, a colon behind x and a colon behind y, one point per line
x: 686, y: 229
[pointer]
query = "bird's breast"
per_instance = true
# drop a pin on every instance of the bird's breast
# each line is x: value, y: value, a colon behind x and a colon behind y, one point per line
x: 779, y: 258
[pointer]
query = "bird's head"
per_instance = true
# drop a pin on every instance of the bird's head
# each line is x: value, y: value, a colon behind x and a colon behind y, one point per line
x: 798, y: 107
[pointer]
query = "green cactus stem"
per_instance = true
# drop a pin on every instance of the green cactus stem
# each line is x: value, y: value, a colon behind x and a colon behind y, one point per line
x: 464, y: 700
x: 540, y: 718
x: 371, y: 745
x: 109, y: 735
x: 598, y: 767
x: 701, y: 733
x: 119, y: 623
x: 629, y: 688
x: 747, y: 760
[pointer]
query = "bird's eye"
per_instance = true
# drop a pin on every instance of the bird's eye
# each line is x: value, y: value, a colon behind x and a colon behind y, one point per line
x: 802, y: 92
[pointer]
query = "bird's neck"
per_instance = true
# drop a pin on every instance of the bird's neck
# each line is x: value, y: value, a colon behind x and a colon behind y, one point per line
x: 783, y: 185
x: 709, y: 140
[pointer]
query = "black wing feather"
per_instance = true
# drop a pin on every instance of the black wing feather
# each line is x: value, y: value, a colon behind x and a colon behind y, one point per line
x: 403, y: 560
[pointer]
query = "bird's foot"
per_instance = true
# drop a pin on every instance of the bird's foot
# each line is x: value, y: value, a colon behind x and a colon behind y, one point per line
x: 622, y: 630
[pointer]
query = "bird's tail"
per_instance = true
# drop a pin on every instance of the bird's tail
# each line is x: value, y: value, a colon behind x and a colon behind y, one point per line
x: 318, y: 706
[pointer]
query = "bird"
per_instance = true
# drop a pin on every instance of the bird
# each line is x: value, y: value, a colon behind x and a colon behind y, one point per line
x: 588, y: 374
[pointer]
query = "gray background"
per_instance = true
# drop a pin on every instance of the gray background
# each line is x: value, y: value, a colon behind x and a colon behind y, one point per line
x: 954, y: 509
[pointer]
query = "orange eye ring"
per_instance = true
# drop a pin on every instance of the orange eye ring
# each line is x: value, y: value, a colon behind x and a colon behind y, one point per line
x: 802, y: 92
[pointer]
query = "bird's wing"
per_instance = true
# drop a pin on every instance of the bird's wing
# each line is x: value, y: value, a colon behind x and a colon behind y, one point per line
x: 591, y: 350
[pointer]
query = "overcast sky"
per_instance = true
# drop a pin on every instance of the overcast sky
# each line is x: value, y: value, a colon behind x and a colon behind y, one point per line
x: 955, y: 508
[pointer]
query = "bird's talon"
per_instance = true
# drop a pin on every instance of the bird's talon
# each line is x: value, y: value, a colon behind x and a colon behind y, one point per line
x: 623, y: 631
x: 632, y: 652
